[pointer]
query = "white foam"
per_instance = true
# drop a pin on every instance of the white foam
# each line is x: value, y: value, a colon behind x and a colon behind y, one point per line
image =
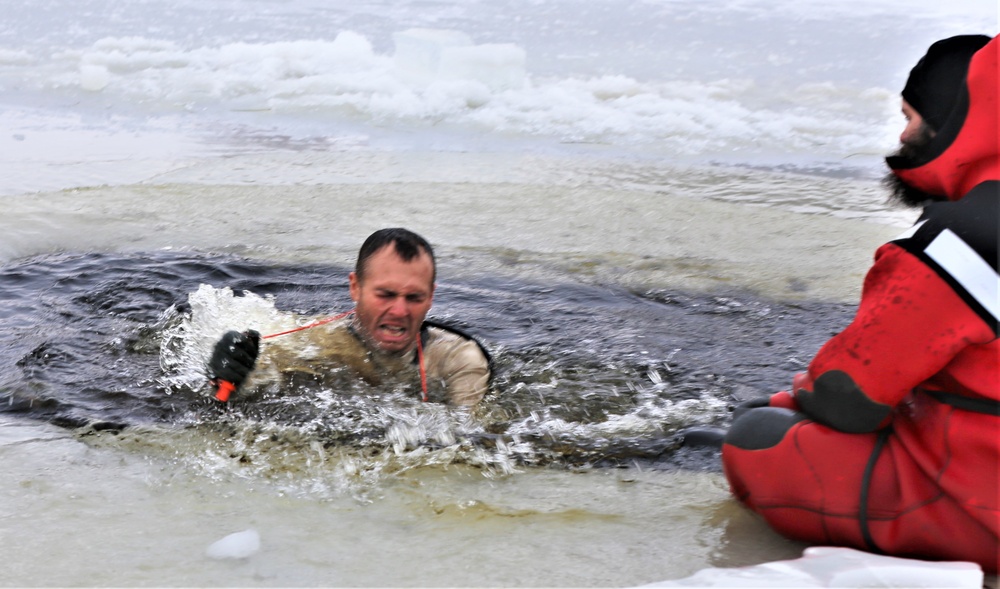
x: 442, y: 76
x: 680, y: 77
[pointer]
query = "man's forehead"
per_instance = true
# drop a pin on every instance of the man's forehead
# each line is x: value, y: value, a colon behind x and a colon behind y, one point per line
x: 386, y: 266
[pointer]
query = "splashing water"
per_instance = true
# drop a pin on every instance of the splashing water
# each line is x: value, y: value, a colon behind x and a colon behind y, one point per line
x: 581, y: 380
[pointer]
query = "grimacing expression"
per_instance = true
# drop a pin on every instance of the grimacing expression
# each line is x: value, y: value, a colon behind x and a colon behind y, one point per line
x: 392, y: 299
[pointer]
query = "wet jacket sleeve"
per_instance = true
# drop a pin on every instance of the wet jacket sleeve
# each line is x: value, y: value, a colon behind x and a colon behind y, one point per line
x: 910, y: 324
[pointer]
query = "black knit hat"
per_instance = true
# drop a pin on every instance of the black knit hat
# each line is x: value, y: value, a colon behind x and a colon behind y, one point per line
x: 936, y: 79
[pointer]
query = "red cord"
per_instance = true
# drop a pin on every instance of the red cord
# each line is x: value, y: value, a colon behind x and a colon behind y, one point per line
x: 313, y: 324
x: 423, y: 371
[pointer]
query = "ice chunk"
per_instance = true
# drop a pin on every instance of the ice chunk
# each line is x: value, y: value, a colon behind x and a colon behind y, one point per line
x: 418, y: 52
x: 498, y: 65
x: 238, y: 545
x: 94, y: 78
x: 424, y: 56
x: 839, y: 567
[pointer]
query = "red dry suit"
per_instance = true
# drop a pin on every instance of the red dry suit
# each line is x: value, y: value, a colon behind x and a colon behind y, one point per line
x: 890, y: 441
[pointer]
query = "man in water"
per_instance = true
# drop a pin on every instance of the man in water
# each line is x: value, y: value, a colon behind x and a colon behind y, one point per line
x: 386, y: 340
x: 890, y: 442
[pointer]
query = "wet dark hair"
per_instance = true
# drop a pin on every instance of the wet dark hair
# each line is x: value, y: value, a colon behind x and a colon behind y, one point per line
x: 408, y: 245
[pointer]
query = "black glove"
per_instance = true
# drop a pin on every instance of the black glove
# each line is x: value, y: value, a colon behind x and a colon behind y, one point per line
x: 748, y: 405
x: 702, y: 437
x: 234, y: 356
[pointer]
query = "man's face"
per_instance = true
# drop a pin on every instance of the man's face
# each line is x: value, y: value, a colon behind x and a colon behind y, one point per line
x: 914, y: 142
x: 916, y: 133
x: 392, y: 299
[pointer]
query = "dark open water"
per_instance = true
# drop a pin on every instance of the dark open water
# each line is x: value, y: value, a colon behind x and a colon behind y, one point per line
x: 585, y: 374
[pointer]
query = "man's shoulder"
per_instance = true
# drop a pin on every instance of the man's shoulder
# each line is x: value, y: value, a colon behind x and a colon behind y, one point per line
x: 339, y: 331
x: 451, y: 341
x: 332, y: 343
x: 958, y: 242
x: 459, y: 360
x: 975, y: 218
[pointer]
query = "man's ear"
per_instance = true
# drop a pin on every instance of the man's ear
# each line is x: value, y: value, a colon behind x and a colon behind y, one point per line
x: 352, y: 278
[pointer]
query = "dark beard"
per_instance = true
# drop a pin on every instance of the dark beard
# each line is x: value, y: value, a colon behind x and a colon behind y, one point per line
x: 900, y: 192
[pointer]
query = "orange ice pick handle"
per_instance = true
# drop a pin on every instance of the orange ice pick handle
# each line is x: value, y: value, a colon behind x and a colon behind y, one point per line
x: 224, y: 390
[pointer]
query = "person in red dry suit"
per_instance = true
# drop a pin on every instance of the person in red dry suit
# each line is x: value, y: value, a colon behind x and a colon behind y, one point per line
x: 889, y: 441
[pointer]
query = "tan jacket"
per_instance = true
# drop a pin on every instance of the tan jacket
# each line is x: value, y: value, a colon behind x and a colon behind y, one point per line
x: 458, y: 371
